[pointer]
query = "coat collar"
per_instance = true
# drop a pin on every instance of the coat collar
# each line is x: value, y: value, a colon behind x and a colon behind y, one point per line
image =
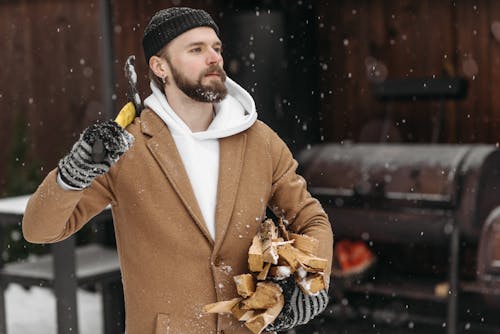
x: 163, y: 148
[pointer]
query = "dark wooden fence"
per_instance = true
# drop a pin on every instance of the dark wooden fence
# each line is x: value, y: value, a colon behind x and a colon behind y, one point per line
x: 366, y: 40
x: 53, y: 79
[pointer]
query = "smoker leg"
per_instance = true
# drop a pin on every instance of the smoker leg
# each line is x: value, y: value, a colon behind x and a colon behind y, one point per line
x: 3, y: 317
x: 452, y: 321
x: 113, y: 307
x: 65, y: 286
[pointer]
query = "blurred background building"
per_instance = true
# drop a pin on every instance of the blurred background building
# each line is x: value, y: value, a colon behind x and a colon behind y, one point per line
x: 310, y: 66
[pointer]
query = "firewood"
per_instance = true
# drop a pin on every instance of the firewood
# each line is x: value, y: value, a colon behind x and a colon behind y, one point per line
x: 283, y: 230
x: 278, y: 254
x: 224, y: 306
x: 268, y: 234
x: 265, y: 296
x: 305, y: 243
x: 245, y: 285
x: 263, y: 274
x: 255, y: 258
x: 259, y: 322
x: 280, y: 272
x: 312, y: 284
x: 287, y: 253
x: 311, y: 262
x: 241, y: 314
x: 268, y: 230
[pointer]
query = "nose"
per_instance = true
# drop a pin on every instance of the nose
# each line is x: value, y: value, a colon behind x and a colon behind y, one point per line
x: 214, y: 57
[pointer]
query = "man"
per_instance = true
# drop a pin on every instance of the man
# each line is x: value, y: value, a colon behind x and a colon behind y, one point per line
x: 189, y: 182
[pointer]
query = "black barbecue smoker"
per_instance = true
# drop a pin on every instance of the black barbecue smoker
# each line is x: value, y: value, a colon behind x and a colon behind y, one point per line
x: 431, y: 215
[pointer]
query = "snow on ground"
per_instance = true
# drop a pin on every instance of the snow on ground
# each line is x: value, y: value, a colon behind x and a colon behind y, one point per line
x: 33, y: 311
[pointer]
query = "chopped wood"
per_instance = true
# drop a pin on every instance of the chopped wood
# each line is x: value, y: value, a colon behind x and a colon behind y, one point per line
x: 245, y: 285
x: 268, y: 233
x: 263, y: 274
x: 305, y: 243
x: 283, y: 230
x: 266, y: 295
x: 275, y: 253
x: 259, y: 322
x: 312, y: 284
x: 255, y: 258
x: 224, y: 306
x: 268, y: 230
x: 241, y: 314
x: 311, y: 262
x: 280, y: 272
x: 287, y: 252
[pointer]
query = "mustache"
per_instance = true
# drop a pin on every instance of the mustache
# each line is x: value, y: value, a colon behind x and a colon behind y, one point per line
x: 215, y: 69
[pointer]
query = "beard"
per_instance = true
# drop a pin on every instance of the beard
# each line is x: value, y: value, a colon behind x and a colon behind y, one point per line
x: 213, y: 92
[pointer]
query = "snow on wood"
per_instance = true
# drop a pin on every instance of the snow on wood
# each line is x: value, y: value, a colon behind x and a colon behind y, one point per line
x: 275, y: 254
x: 305, y: 243
x: 312, y: 284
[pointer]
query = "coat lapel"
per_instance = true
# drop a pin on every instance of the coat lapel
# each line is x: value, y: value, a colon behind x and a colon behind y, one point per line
x: 163, y: 148
x: 232, y: 151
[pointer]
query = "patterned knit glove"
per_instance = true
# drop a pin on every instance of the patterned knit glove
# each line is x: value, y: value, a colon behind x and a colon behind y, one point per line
x: 299, y: 308
x: 78, y: 170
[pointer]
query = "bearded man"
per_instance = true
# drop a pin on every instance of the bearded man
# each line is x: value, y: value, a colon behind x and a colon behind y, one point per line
x: 188, y: 182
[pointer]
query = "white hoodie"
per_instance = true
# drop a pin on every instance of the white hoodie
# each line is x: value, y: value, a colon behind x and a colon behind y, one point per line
x: 199, y: 151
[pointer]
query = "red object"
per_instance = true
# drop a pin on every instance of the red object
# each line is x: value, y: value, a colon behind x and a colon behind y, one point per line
x: 353, y: 255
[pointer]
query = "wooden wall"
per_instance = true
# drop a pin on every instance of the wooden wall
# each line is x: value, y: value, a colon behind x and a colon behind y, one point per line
x: 360, y: 40
x: 51, y: 71
x: 51, y: 74
x: 50, y: 85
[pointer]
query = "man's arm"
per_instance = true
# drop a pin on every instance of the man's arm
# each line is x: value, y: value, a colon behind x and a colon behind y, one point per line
x: 78, y: 189
x: 53, y: 213
x: 291, y: 200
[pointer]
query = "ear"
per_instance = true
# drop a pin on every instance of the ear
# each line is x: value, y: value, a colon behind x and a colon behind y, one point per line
x: 159, y: 66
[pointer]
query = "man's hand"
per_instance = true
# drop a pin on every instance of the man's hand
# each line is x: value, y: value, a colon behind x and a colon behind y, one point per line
x: 78, y: 169
x: 299, y: 308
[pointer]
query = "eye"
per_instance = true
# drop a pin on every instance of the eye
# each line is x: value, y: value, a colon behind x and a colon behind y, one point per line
x: 218, y: 49
x: 195, y: 50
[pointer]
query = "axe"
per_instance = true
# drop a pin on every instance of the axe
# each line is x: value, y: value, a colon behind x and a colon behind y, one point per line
x: 129, y: 111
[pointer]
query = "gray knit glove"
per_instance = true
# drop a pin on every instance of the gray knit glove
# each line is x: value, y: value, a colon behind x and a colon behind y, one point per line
x: 299, y: 308
x: 78, y: 170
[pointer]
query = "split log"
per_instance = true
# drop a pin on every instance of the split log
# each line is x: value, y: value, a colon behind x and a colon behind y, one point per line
x: 280, y: 272
x: 305, y: 243
x: 263, y: 274
x: 255, y: 257
x: 269, y: 233
x: 224, y: 306
x: 259, y: 322
x: 245, y: 285
x: 241, y: 314
x: 265, y: 296
x: 312, y: 284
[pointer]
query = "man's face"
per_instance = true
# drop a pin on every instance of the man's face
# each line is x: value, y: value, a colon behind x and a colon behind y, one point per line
x: 195, y: 62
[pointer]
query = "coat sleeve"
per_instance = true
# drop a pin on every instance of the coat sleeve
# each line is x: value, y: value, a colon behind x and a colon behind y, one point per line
x: 291, y: 200
x: 54, y: 213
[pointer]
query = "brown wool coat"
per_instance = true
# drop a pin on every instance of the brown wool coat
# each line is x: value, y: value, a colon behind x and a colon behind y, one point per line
x: 170, y: 265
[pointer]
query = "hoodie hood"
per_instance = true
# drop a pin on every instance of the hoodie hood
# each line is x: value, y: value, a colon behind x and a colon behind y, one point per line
x: 234, y: 114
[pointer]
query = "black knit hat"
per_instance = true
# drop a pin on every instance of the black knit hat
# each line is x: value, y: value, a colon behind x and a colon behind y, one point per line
x: 169, y: 23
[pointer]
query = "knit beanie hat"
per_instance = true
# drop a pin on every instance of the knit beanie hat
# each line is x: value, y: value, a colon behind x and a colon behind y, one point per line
x: 169, y: 23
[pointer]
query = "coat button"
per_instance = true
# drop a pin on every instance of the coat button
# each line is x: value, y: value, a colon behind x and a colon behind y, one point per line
x: 217, y: 261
